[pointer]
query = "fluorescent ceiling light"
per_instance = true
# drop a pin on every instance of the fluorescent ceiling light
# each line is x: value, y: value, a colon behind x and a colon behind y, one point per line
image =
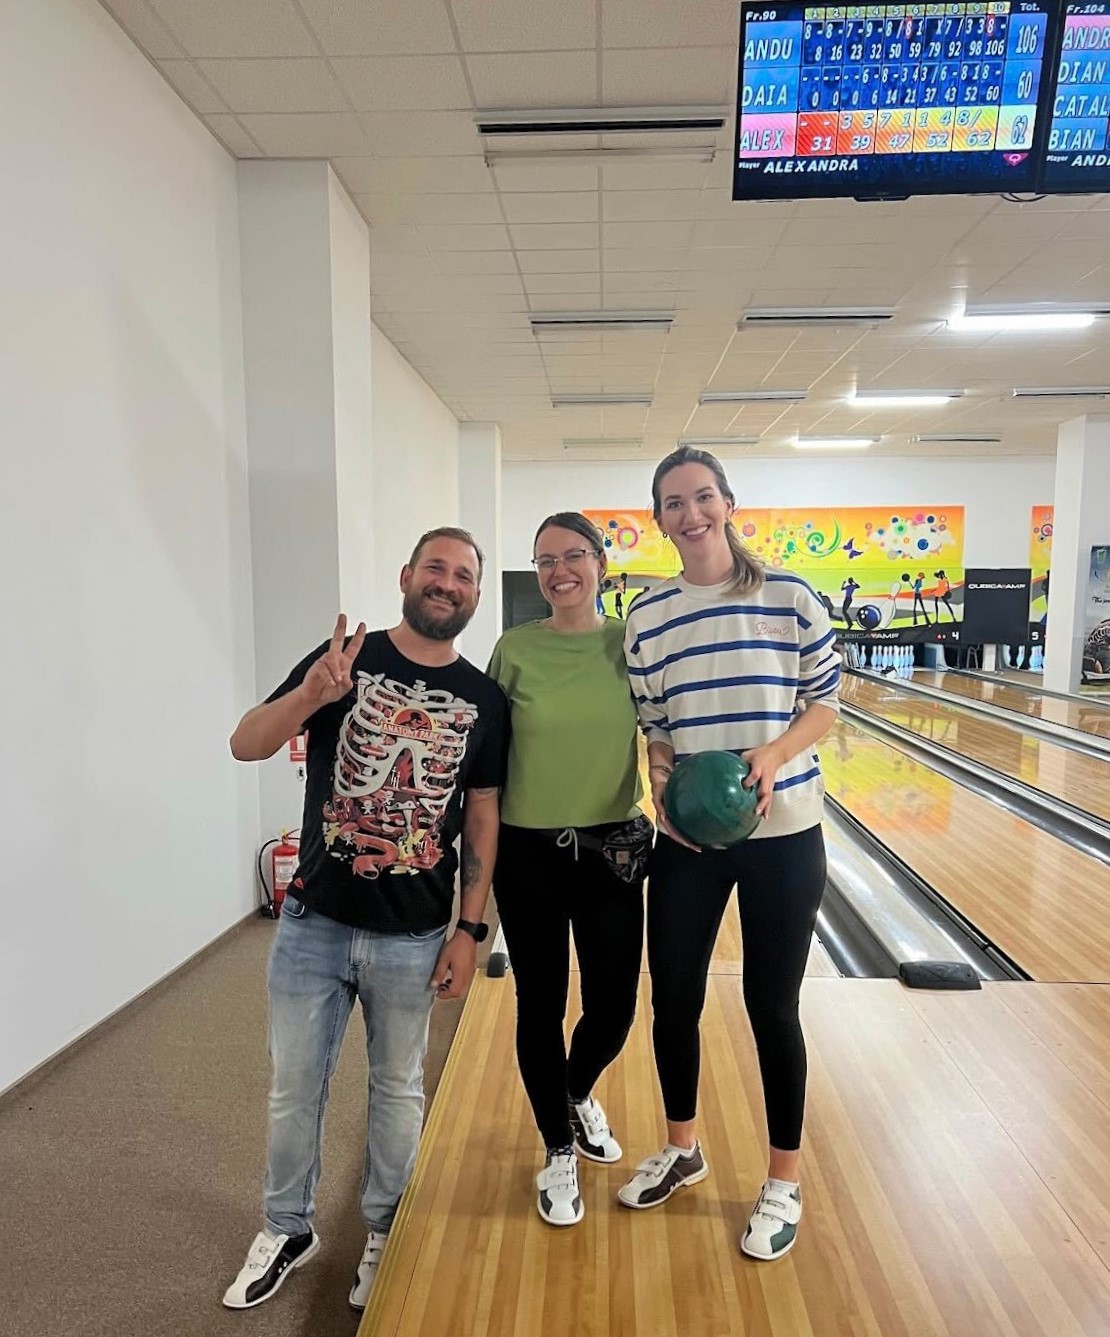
x: 986, y: 319
x: 835, y: 442
x: 576, y: 401
x: 563, y: 321
x: 907, y: 399
x: 601, y: 120
x: 595, y: 442
x: 1061, y: 391
x: 749, y: 396
x: 816, y: 315
x: 718, y: 440
x: 940, y: 438
x: 687, y: 152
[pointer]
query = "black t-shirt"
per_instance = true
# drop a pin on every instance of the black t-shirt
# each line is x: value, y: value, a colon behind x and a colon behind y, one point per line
x: 387, y: 770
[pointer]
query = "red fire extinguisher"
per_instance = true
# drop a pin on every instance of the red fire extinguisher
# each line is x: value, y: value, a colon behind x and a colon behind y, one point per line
x: 284, y: 858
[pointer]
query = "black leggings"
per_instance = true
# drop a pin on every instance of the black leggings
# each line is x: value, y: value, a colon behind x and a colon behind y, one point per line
x: 781, y: 881
x: 542, y: 893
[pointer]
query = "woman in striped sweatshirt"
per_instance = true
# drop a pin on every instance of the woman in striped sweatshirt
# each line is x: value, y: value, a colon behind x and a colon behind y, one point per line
x: 727, y: 656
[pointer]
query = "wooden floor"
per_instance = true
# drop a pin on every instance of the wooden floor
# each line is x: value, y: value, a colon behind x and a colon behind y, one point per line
x: 1075, y: 778
x: 1087, y: 718
x: 956, y: 1179
x: 1041, y: 901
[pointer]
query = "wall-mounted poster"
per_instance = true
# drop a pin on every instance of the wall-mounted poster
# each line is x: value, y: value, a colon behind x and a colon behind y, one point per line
x: 1096, y: 624
x: 1040, y: 559
x: 896, y: 569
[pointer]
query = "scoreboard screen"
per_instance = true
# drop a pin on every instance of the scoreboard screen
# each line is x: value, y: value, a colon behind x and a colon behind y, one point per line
x: 1077, y: 155
x: 879, y: 101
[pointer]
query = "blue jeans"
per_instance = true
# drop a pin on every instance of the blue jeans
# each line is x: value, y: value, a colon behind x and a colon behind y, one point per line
x: 317, y: 969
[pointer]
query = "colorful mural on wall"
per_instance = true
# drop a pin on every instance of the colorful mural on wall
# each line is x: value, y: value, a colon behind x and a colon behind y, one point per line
x: 1040, y: 558
x: 875, y: 567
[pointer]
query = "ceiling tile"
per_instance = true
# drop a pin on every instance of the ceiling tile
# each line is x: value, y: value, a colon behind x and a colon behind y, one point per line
x: 430, y: 208
x: 233, y: 137
x: 669, y: 23
x: 540, y: 81
x: 475, y: 262
x: 275, y: 85
x: 631, y: 261
x: 380, y: 28
x: 403, y: 83
x: 554, y: 236
x: 525, y: 25
x: 145, y: 27
x: 310, y: 135
x: 444, y: 176
x: 184, y: 76
x: 695, y: 75
x: 635, y: 206
x: 389, y: 237
x: 537, y: 284
x: 245, y: 28
x: 447, y: 237
x: 559, y: 262
x: 631, y: 236
x: 415, y: 134
x: 647, y: 175
x: 552, y: 207
x: 550, y: 176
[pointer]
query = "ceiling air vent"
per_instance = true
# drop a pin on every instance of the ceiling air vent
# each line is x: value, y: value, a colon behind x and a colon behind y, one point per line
x: 816, y: 315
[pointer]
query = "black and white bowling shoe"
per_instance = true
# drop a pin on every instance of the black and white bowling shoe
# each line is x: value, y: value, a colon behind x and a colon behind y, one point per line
x: 269, y: 1262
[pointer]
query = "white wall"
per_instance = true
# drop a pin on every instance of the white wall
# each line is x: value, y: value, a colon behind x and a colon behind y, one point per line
x: 125, y: 596
x: 416, y: 469
x: 997, y: 494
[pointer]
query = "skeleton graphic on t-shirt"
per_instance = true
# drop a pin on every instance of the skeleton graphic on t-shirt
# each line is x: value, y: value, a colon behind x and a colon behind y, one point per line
x: 396, y: 767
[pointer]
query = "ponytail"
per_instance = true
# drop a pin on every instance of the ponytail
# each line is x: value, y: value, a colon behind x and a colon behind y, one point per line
x: 747, y: 569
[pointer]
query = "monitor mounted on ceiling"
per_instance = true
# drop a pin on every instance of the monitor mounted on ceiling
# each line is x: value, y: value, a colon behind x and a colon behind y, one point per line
x: 887, y: 101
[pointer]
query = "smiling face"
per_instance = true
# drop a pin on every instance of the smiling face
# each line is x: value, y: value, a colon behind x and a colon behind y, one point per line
x: 568, y: 567
x: 692, y: 512
x: 441, y: 589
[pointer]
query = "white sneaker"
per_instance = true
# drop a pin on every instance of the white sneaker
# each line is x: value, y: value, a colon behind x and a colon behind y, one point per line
x: 774, y: 1225
x: 592, y: 1134
x: 659, y: 1176
x: 368, y: 1269
x: 559, y: 1202
x: 269, y: 1262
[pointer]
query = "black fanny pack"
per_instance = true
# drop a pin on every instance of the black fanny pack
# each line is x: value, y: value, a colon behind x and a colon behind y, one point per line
x: 625, y: 846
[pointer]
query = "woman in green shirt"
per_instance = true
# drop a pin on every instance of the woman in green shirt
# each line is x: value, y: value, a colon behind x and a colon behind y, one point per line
x: 572, y: 852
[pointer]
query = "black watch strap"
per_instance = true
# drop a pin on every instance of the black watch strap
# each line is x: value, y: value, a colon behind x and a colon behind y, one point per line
x: 477, y: 931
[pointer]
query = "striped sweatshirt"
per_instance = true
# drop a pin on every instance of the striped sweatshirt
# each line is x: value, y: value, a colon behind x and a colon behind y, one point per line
x: 712, y: 670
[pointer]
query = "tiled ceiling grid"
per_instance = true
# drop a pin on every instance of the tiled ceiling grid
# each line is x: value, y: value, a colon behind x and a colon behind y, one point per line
x: 463, y: 254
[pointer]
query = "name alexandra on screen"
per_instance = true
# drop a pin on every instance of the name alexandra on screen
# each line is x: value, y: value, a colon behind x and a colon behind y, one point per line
x: 798, y: 165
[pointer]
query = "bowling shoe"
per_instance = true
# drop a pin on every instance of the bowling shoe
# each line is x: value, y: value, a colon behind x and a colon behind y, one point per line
x: 592, y: 1134
x: 559, y: 1201
x: 659, y: 1176
x: 367, y: 1271
x: 774, y: 1225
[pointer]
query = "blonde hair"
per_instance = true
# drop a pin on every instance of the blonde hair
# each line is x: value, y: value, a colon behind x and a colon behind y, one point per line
x: 747, y: 569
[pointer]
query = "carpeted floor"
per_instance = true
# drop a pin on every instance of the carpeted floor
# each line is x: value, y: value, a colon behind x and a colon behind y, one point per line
x: 131, y: 1171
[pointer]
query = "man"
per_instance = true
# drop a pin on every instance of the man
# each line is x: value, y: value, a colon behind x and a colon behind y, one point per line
x: 406, y: 750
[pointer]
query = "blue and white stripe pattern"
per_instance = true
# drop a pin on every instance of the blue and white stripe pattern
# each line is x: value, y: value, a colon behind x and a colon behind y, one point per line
x: 714, y: 670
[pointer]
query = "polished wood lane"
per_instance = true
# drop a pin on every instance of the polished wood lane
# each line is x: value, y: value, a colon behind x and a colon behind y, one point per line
x: 926, y: 1216
x: 1040, y: 900
x: 1093, y: 718
x: 1071, y: 776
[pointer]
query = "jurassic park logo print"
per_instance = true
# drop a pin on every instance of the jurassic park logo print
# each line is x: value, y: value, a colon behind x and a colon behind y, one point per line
x: 396, y: 766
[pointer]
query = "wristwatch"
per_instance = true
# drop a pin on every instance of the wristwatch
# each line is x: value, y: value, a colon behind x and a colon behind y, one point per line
x: 479, y: 932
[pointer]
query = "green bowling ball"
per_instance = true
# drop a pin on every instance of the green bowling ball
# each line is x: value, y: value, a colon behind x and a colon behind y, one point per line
x: 707, y: 802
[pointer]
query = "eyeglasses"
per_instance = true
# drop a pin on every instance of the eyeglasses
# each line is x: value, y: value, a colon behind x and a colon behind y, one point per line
x: 571, y: 559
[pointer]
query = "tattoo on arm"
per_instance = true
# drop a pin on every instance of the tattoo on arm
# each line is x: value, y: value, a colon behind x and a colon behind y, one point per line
x: 471, y: 866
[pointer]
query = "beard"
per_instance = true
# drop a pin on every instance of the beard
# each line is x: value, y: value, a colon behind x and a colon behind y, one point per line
x: 435, y: 624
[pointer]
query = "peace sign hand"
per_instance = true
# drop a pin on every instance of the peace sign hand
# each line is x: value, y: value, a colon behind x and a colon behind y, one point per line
x: 329, y: 679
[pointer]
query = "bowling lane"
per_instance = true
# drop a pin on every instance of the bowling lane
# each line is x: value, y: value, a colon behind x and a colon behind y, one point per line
x: 1079, y: 780
x: 1093, y: 718
x: 1041, y: 901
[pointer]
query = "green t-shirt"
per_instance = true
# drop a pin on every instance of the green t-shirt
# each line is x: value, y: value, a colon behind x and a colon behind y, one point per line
x: 572, y: 757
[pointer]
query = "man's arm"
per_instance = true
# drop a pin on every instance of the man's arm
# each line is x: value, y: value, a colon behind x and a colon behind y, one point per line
x: 458, y: 956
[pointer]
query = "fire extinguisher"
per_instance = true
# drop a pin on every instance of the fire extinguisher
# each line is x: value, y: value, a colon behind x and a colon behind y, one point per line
x: 284, y: 856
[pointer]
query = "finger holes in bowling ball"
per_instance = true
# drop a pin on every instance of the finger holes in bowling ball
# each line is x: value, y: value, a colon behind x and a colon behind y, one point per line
x: 707, y: 802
